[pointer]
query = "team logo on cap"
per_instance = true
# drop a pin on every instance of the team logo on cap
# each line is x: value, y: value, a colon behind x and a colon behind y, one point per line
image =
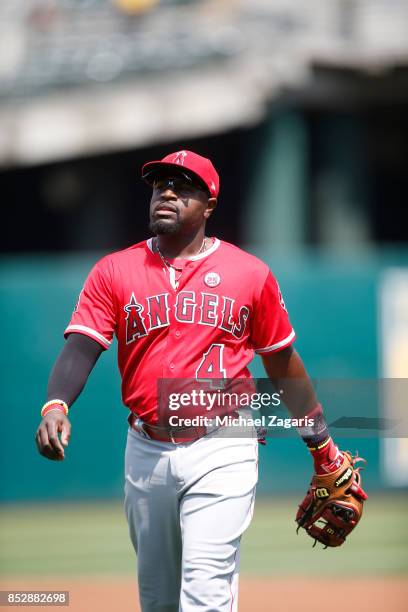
x: 212, y: 279
x: 180, y: 157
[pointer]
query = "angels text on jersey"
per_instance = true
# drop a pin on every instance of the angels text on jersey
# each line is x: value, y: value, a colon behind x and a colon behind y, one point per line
x: 191, y: 308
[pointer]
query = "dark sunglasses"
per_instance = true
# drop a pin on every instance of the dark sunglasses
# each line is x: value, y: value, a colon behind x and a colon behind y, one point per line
x: 180, y: 182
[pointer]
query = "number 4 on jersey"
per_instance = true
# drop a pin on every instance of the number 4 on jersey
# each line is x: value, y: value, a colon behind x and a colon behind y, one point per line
x: 211, y: 366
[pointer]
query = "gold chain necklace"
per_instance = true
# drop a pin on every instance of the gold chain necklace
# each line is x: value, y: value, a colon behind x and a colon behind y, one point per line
x: 172, y: 268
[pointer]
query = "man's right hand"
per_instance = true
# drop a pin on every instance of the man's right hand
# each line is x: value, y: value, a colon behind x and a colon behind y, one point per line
x: 47, y: 438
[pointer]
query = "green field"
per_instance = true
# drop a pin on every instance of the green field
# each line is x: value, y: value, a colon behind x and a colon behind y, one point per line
x: 92, y: 539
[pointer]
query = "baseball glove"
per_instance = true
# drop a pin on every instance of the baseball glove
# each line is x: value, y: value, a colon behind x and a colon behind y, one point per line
x: 333, y: 504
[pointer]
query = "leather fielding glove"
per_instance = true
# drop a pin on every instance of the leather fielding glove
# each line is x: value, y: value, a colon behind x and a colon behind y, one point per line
x: 333, y: 505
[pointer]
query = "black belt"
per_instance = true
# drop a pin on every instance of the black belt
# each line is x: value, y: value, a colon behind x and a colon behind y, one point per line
x: 176, y: 435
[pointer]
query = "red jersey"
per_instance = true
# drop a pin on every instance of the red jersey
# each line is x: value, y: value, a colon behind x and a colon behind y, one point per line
x: 227, y: 305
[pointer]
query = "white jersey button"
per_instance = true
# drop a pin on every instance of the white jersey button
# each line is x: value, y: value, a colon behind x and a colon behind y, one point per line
x: 177, y: 333
x: 171, y: 366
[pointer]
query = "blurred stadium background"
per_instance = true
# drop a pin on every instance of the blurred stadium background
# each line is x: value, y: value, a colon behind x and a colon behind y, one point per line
x: 303, y: 109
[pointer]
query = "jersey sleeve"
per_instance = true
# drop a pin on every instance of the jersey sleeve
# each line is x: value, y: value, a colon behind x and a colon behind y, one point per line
x: 271, y: 329
x: 94, y: 314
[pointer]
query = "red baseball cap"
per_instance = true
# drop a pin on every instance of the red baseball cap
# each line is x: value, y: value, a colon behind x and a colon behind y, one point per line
x: 186, y: 162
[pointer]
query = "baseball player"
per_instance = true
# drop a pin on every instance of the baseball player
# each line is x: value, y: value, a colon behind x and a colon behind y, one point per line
x: 185, y: 306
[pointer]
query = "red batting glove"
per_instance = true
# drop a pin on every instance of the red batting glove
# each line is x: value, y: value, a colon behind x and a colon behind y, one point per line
x: 326, y: 458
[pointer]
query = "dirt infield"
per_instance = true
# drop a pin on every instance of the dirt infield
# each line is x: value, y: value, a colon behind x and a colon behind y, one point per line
x: 256, y: 595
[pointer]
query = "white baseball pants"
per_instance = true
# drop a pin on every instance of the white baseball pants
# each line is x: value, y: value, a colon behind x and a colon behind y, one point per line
x: 187, y: 506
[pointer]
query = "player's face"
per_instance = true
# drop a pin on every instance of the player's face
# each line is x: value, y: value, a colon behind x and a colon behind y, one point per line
x: 178, y: 206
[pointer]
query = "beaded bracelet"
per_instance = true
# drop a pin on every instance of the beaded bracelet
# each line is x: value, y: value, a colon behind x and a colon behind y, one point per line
x: 55, y: 404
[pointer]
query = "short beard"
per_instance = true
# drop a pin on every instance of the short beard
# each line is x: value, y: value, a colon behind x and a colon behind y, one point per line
x: 161, y: 228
